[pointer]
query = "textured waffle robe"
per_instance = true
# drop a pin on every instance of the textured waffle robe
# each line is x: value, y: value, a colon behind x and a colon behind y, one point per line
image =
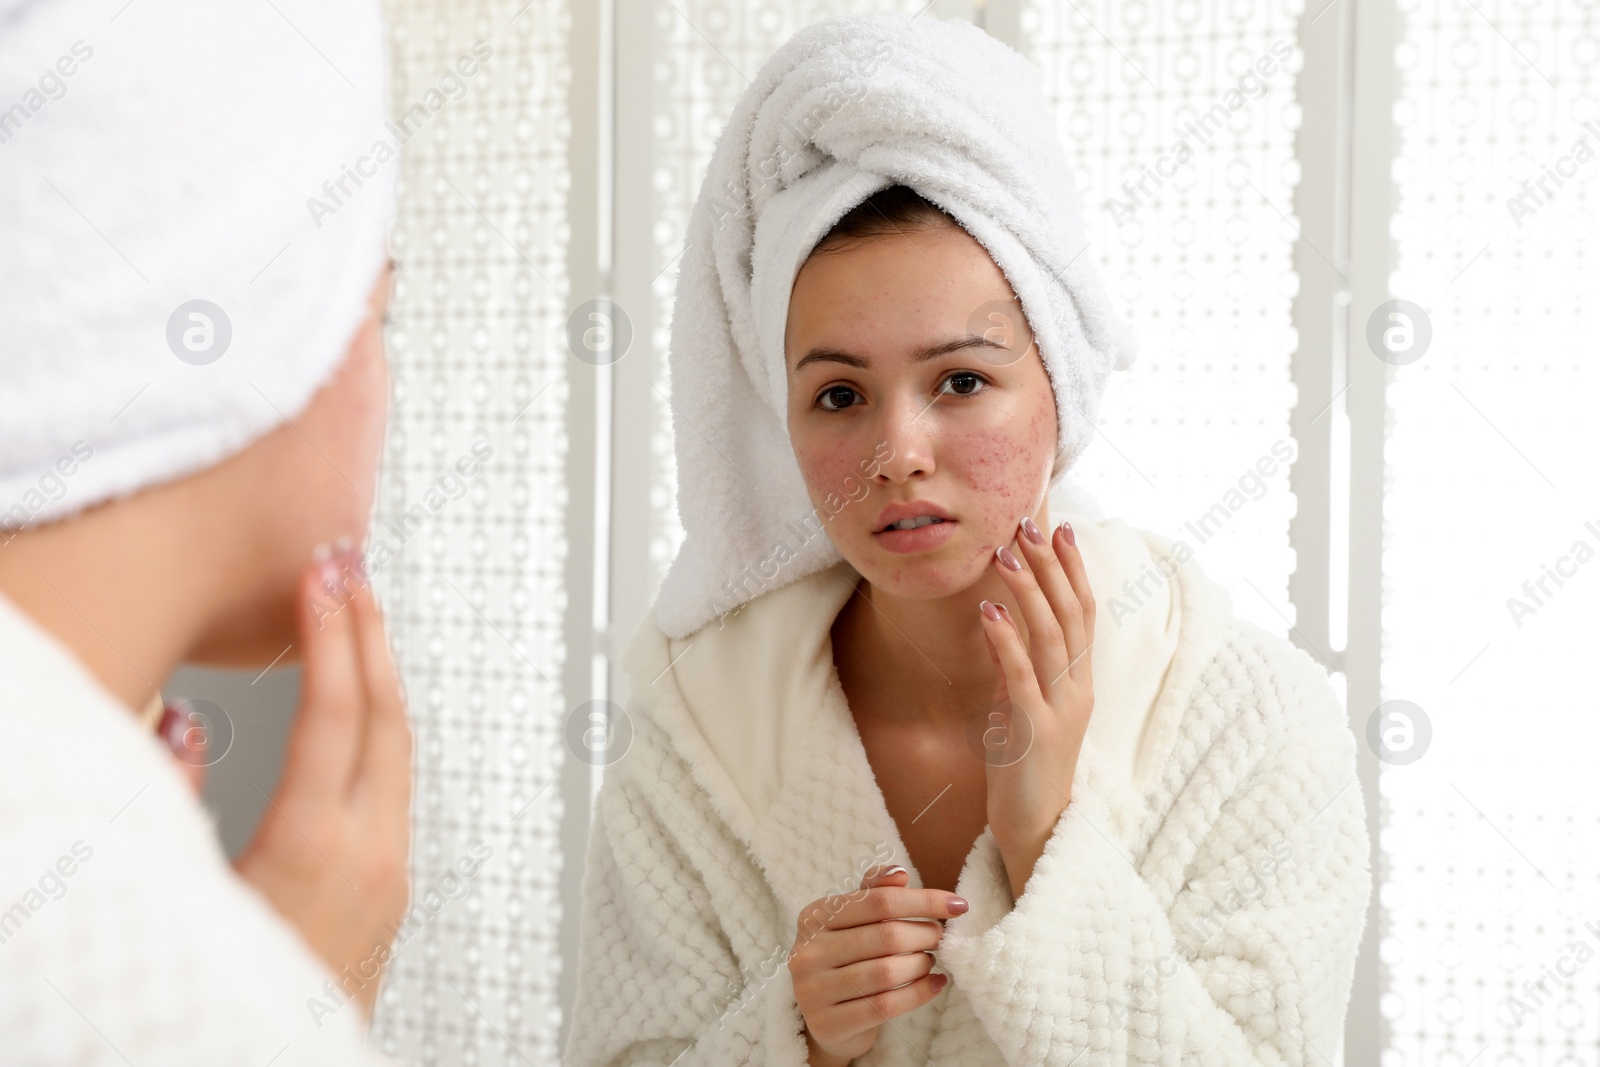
x: 1200, y: 901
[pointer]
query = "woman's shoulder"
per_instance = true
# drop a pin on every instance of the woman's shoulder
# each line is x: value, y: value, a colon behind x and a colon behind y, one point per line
x: 1260, y: 694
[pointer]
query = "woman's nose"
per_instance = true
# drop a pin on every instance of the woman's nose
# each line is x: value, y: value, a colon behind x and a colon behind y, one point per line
x: 906, y: 427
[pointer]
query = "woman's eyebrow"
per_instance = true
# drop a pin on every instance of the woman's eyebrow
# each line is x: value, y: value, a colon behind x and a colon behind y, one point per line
x: 955, y: 344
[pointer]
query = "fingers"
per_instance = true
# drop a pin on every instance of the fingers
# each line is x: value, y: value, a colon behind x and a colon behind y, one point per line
x: 874, y: 905
x: 385, y: 762
x: 1050, y: 604
x: 893, y: 874
x: 884, y: 973
x: 875, y: 1009
x: 1022, y: 684
x: 1063, y: 543
x: 324, y: 744
x: 1046, y: 637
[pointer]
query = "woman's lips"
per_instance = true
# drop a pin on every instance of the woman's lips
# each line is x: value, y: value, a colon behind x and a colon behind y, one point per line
x: 922, y: 539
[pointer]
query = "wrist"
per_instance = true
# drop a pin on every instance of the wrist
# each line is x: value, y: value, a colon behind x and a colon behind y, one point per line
x: 817, y: 1056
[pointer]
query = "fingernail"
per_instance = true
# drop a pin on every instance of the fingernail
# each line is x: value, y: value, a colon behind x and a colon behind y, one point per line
x: 1007, y: 558
x: 353, y: 561
x: 939, y: 982
x: 893, y: 868
x: 1066, y: 528
x: 1031, y: 531
x: 1004, y: 611
x: 958, y: 905
x: 328, y: 573
x: 990, y: 610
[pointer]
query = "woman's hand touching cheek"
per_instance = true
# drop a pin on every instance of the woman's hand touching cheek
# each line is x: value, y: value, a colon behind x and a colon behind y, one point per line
x: 1044, y: 693
x: 331, y: 851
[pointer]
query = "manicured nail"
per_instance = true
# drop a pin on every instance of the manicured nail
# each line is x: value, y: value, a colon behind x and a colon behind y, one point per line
x: 328, y: 572
x: 939, y: 982
x: 353, y: 562
x: 1006, y: 612
x: 1007, y: 558
x: 957, y: 905
x: 1066, y: 528
x: 893, y: 868
x: 990, y: 610
x: 1031, y: 531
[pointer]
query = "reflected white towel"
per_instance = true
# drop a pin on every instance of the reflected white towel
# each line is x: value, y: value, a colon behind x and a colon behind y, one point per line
x: 848, y: 106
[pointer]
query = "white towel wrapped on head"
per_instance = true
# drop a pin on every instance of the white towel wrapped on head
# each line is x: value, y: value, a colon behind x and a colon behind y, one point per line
x: 849, y: 106
x: 169, y: 155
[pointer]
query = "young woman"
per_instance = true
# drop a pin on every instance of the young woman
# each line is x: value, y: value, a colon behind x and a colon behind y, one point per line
x: 186, y: 481
x: 932, y: 778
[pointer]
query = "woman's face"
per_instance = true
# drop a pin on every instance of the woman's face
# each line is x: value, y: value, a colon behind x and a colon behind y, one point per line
x: 909, y: 358
x: 304, y: 483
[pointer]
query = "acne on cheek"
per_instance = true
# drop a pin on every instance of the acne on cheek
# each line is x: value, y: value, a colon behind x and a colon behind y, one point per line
x: 1008, y: 470
x: 832, y: 470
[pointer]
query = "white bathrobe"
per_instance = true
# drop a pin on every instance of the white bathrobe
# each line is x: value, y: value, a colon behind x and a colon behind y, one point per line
x: 1200, y: 901
x: 125, y: 936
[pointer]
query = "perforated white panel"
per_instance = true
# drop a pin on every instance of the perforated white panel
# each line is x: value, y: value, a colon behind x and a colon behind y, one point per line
x: 472, y: 509
x: 1179, y: 119
x: 1491, y: 892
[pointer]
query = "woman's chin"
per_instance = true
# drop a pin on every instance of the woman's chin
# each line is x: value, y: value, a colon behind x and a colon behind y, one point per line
x: 950, y: 569
x: 267, y: 639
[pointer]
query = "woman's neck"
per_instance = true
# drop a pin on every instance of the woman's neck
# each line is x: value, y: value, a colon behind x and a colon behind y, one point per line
x: 921, y: 660
x: 125, y: 587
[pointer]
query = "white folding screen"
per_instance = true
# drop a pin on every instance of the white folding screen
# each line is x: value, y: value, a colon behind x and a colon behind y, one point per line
x: 1491, y: 836
x: 470, y: 543
x: 1179, y: 118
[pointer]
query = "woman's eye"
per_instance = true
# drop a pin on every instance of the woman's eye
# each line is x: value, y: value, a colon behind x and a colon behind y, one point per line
x: 962, y: 383
x: 837, y: 398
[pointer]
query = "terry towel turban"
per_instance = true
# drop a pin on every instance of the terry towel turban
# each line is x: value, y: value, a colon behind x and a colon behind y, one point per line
x: 171, y: 291
x: 848, y: 106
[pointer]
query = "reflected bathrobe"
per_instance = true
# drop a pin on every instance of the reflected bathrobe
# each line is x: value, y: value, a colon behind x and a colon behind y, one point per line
x: 1200, y: 901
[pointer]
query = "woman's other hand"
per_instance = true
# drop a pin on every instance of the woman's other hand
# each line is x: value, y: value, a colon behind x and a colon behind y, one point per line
x: 332, y: 848
x: 862, y: 958
x: 1044, y: 693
